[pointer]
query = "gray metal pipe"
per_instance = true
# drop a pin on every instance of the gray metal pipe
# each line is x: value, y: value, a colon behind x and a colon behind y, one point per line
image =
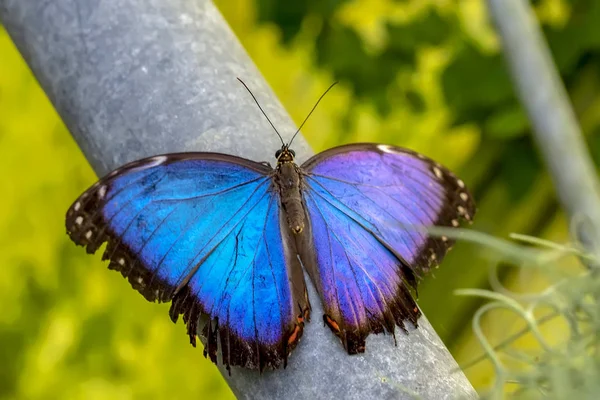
x: 555, y: 127
x: 134, y: 78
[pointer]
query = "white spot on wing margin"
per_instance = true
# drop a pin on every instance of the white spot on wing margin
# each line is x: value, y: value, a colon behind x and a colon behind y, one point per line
x: 156, y: 160
x: 386, y: 148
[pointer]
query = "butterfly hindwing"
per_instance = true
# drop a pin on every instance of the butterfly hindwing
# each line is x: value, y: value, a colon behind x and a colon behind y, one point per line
x: 367, y: 205
x: 203, y: 231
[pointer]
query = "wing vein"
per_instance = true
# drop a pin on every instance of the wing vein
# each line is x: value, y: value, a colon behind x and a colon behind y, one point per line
x: 378, y: 237
x: 199, y: 263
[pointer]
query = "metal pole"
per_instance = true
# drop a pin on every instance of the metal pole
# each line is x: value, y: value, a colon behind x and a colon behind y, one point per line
x: 133, y: 78
x: 555, y: 127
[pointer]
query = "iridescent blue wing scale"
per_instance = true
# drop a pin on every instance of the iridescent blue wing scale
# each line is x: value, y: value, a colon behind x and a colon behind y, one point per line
x: 204, y: 231
x: 366, y: 245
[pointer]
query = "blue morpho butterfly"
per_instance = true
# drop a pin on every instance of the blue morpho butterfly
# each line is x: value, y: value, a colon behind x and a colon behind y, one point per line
x: 222, y: 238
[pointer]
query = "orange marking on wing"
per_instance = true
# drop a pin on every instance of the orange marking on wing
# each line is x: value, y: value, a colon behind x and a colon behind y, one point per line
x: 332, y: 324
x: 294, y: 335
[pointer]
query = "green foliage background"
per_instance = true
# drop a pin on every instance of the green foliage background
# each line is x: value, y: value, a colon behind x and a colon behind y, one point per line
x: 419, y: 73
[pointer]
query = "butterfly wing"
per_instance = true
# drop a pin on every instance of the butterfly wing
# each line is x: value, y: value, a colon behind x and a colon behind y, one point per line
x: 202, y: 230
x: 365, y: 246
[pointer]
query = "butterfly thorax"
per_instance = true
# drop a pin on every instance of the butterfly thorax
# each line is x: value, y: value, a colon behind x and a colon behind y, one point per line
x: 287, y: 181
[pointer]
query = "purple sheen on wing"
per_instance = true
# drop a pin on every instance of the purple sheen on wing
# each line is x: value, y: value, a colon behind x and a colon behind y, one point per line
x: 398, y: 224
x: 357, y: 275
x: 370, y: 206
x: 377, y: 168
x: 394, y: 194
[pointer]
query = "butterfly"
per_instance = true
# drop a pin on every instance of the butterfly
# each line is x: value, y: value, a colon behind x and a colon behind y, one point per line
x: 225, y: 240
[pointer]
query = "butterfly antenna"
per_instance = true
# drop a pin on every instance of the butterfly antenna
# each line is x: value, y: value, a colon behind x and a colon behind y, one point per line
x: 311, y: 111
x: 263, y: 111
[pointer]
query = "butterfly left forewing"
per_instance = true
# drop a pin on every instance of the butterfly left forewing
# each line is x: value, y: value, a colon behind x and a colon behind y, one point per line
x: 93, y: 218
x: 369, y: 206
x: 202, y: 230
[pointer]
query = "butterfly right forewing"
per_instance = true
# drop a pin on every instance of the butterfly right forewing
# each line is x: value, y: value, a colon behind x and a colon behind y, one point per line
x: 369, y: 208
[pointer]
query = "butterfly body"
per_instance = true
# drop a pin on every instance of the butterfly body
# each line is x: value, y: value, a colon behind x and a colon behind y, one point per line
x: 225, y: 240
x: 287, y: 179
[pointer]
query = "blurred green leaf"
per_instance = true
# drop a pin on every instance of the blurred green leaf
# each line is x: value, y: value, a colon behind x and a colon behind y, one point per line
x: 520, y: 169
x: 288, y: 16
x: 581, y: 35
x: 475, y: 84
x: 429, y: 29
x: 415, y: 101
x: 507, y: 123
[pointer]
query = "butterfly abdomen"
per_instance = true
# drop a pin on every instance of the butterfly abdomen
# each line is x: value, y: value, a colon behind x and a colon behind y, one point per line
x: 287, y: 181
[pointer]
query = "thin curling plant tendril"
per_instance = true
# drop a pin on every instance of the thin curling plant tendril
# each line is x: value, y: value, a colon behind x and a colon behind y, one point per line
x: 567, y: 368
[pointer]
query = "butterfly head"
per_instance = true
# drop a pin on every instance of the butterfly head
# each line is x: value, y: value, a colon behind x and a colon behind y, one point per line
x: 285, y: 155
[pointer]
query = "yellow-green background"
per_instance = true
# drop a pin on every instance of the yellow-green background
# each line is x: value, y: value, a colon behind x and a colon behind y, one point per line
x: 69, y: 328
